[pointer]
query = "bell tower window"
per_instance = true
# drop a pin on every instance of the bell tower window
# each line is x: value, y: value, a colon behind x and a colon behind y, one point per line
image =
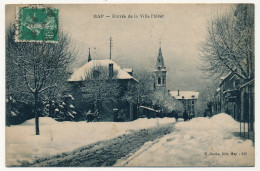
x: 159, y: 80
x: 163, y: 80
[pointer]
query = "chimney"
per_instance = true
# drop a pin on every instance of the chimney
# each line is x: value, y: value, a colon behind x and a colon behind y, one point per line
x: 178, y: 92
x: 89, y: 56
x: 111, y: 70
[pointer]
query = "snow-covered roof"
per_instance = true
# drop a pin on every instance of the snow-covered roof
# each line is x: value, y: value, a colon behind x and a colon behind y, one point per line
x: 81, y: 73
x: 128, y: 69
x: 162, y: 69
x: 148, y: 108
x: 185, y: 94
x: 224, y: 77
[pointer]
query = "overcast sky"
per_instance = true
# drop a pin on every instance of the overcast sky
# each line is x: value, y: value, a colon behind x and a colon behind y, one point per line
x: 136, y: 40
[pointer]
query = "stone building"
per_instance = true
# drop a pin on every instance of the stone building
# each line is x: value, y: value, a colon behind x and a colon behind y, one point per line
x: 228, y: 94
x: 187, y: 99
x: 101, y: 84
x: 235, y: 97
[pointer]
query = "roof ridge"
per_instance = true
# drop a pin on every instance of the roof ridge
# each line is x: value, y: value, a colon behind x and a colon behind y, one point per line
x: 80, y: 73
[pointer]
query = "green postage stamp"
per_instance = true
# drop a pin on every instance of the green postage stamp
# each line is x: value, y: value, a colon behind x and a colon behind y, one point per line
x: 37, y: 24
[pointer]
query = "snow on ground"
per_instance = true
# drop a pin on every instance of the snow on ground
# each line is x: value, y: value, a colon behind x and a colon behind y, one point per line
x: 189, y: 143
x: 57, y: 137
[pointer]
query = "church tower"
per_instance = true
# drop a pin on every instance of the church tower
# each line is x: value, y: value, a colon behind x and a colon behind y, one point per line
x: 160, y: 72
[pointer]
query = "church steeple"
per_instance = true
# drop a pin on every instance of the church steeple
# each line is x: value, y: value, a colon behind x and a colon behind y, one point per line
x: 160, y: 62
x: 89, y: 57
x: 160, y: 71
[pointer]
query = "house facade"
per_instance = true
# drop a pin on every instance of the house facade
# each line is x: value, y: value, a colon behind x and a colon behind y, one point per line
x: 227, y: 97
x: 101, y: 84
x: 187, y: 101
x: 235, y: 97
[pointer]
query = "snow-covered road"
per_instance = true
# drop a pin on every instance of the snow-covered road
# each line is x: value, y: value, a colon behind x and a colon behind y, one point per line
x: 199, y: 142
x: 105, y: 153
x: 58, y: 137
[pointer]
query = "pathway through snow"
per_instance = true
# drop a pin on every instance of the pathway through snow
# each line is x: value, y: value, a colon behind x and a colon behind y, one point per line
x: 199, y: 142
x: 105, y: 153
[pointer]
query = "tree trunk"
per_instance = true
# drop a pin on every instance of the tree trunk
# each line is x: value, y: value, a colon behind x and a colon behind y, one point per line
x: 8, y: 111
x: 37, y: 129
x: 50, y: 109
x: 37, y: 124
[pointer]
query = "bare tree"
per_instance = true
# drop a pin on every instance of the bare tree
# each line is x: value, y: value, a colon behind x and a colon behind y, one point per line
x: 206, y: 95
x: 35, y: 67
x: 164, y: 101
x: 142, y: 92
x: 229, y: 46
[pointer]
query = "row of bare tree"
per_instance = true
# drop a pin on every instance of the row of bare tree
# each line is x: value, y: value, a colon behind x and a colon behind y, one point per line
x: 229, y: 46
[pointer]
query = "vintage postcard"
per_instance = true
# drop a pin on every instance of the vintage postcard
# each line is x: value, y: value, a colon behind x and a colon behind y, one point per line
x: 130, y: 85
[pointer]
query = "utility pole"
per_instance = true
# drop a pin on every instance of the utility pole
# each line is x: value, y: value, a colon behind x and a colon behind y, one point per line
x: 110, y: 48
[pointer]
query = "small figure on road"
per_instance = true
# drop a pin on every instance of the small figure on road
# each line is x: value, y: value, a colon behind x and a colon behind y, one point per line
x: 89, y: 116
x: 185, y: 116
x: 121, y: 116
x: 176, y: 116
x: 207, y: 113
x: 115, y: 112
x: 227, y: 111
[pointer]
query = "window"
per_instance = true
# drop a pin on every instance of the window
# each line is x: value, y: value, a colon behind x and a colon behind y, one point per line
x: 192, y: 101
x: 159, y: 80
x: 236, y: 84
x: 163, y: 80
